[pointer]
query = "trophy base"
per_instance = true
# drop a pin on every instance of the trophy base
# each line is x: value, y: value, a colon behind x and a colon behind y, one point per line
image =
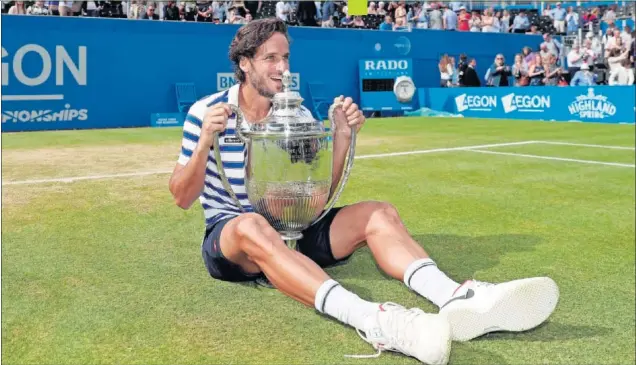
x: 291, y: 236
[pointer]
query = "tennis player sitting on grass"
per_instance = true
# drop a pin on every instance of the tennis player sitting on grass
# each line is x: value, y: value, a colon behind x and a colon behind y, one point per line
x: 240, y: 247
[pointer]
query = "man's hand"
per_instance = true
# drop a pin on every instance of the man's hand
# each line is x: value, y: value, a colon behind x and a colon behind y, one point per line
x: 215, y: 120
x: 347, y: 117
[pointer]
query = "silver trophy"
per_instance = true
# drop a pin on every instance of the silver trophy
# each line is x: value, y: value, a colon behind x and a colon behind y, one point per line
x: 289, y: 165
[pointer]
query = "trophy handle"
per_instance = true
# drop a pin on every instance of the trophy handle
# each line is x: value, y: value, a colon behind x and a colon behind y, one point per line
x: 219, y: 162
x: 347, y: 170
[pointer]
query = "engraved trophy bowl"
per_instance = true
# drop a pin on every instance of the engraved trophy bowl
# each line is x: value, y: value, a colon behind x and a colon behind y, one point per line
x: 289, y: 165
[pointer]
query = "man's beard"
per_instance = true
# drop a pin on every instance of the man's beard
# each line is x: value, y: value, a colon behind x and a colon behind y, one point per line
x: 258, y: 83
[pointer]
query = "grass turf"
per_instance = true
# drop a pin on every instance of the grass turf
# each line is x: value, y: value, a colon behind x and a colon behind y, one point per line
x: 110, y: 270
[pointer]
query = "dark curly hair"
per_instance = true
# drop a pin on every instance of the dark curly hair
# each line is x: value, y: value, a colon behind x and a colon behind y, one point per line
x: 251, y: 36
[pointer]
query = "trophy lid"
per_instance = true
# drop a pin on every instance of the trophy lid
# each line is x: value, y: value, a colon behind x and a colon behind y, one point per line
x: 287, y: 117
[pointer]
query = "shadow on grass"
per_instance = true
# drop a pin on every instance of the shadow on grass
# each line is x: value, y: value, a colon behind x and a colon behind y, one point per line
x: 549, y: 332
x: 459, y: 256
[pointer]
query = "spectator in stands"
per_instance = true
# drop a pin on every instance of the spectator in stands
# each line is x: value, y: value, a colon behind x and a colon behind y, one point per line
x: 65, y: 8
x: 499, y: 72
x: 520, y: 71
x: 435, y: 18
x: 616, y: 57
x: 150, y: 13
x: 528, y: 56
x: 610, y: 15
x: 135, y: 12
x: 505, y: 25
x: 306, y: 14
x: 589, y: 17
x: 534, y: 30
x: 17, y: 9
x: 204, y: 11
x: 536, y: 71
x: 449, y: 18
x: 521, y: 24
x: 543, y: 50
x: 589, y: 56
x: 421, y: 18
x: 488, y: 22
x: 37, y: 8
x: 622, y: 74
x: 470, y: 78
x: 446, y: 71
x: 282, y: 10
x: 381, y: 8
x: 558, y: 15
x: 346, y: 20
x: 171, y: 11
x: 461, y: 68
x: 575, y: 58
x: 372, y: 10
x: 400, y: 13
x: 572, y: 21
x: 583, y: 77
x: 552, y: 45
x: 611, y: 39
x: 475, y: 22
x: 626, y: 36
x: 387, y: 24
x: 358, y: 22
x: 463, y: 20
x: 547, y: 11
x: 219, y: 10
x: 553, y: 71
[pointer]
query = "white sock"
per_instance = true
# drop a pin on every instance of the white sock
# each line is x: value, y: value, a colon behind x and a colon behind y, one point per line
x: 345, y: 306
x: 427, y: 280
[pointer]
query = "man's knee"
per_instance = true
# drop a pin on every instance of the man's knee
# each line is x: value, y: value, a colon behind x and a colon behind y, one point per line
x: 382, y: 215
x: 255, y: 235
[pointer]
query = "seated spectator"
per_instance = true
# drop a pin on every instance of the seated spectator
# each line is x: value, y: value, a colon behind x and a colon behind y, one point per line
x: 470, y: 78
x: 528, y: 56
x: 387, y: 24
x: 500, y: 73
x: 610, y: 15
x: 521, y: 24
x: 622, y: 74
x: 536, y: 71
x: 17, y: 9
x: 400, y: 25
x: 488, y: 22
x: 520, y: 71
x: 543, y: 51
x: 150, y: 13
x: 583, y: 77
x: 37, y: 8
x: 589, y: 17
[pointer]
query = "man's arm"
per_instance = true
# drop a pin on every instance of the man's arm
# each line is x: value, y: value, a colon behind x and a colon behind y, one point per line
x: 188, y: 177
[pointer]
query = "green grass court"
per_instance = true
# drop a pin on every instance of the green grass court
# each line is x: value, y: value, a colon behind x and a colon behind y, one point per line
x: 107, y: 269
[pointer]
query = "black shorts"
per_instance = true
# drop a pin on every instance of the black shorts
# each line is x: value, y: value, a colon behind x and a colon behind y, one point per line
x: 315, y: 244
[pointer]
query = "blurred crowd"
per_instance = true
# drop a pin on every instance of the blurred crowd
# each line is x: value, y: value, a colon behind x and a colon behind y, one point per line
x: 606, y: 60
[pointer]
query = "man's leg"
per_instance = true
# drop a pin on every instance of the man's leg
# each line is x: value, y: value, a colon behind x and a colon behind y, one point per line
x: 472, y: 308
x: 250, y: 243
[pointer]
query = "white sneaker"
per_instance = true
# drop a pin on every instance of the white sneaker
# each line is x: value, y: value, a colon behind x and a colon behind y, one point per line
x: 478, y: 308
x: 409, y: 331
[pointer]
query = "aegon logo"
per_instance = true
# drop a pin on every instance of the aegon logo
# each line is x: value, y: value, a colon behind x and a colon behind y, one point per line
x: 39, y: 77
x: 484, y: 103
x: 384, y: 65
x: 225, y: 80
x: 525, y: 103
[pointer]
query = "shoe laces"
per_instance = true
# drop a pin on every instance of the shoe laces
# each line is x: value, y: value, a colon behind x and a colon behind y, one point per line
x: 396, y: 335
x: 482, y: 284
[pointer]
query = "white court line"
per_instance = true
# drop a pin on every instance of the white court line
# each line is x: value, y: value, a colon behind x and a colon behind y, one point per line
x: 554, y: 158
x: 586, y: 145
x: 444, y: 149
x: 132, y: 174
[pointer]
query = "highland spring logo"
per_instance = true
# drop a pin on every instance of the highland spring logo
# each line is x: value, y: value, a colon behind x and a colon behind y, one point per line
x: 592, y: 106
